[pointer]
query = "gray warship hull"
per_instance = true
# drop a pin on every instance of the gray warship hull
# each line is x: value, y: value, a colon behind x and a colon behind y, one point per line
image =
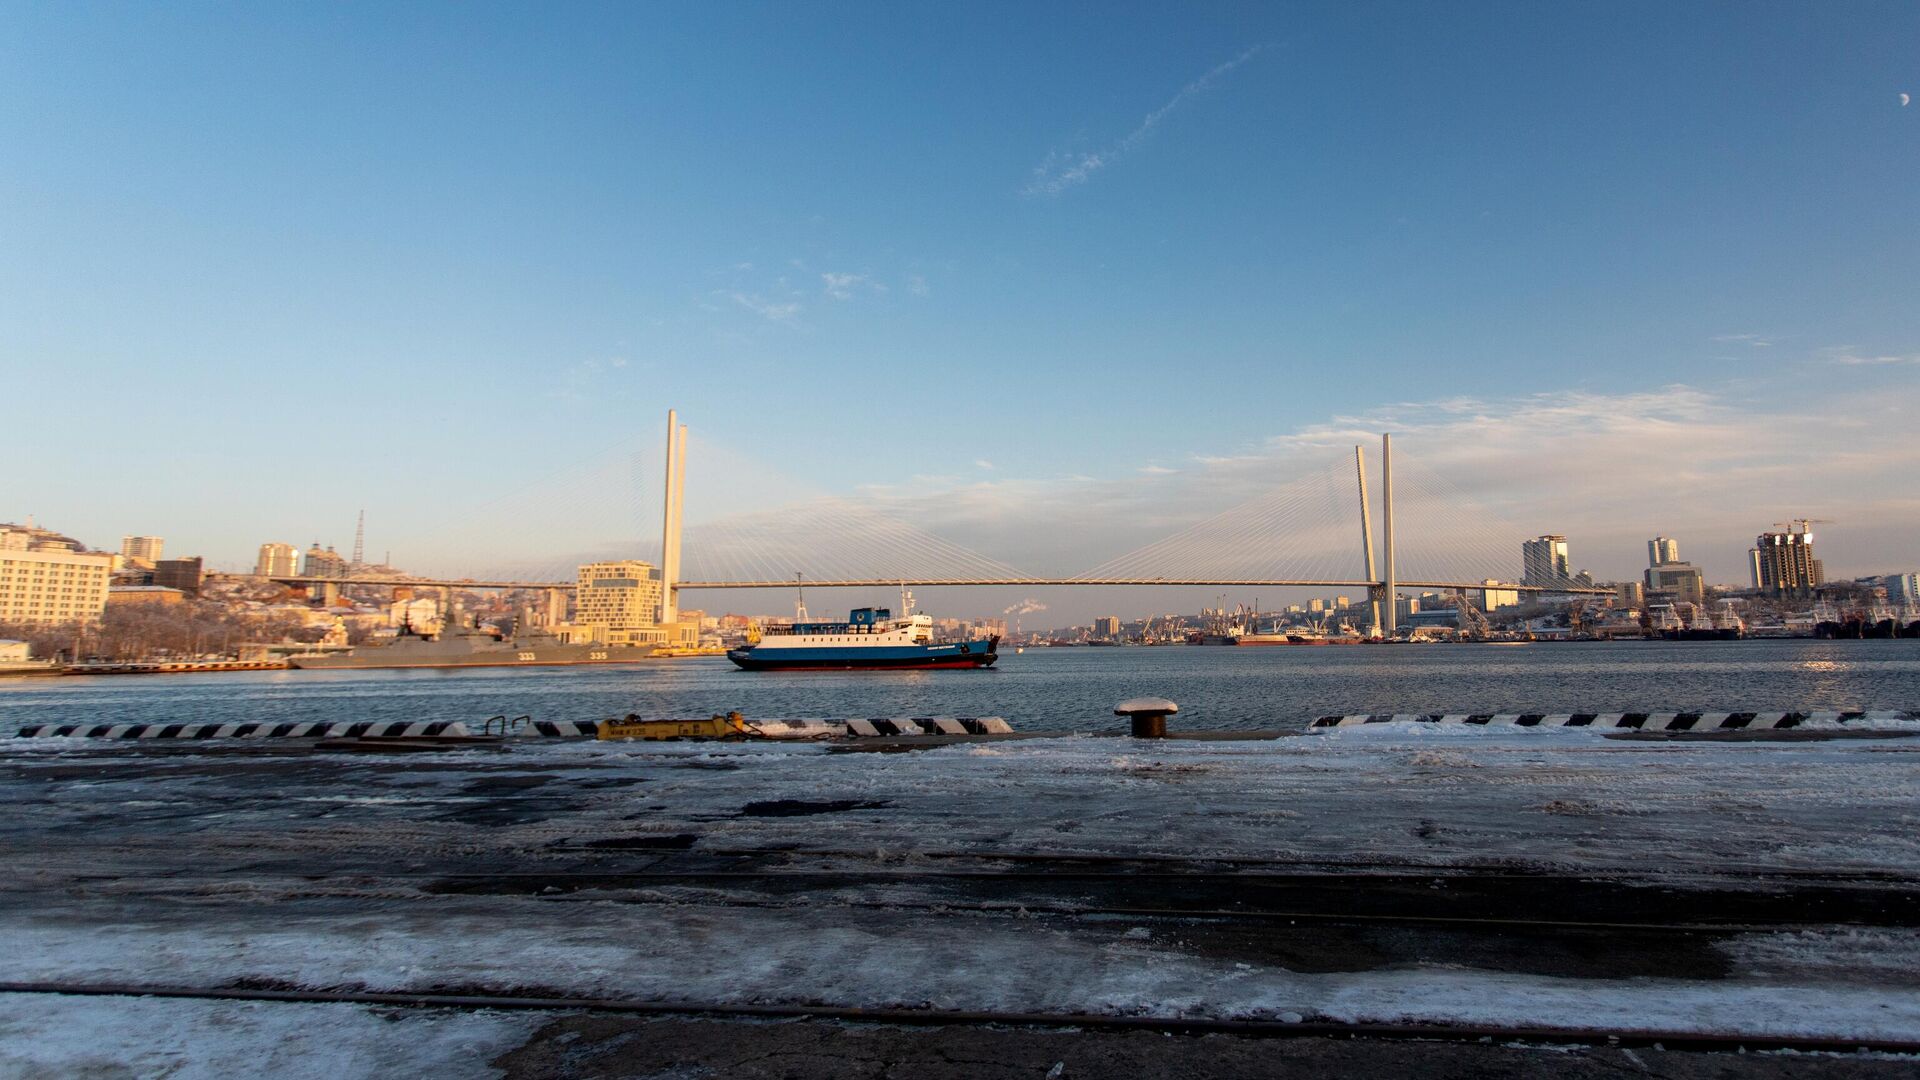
x: 414, y: 653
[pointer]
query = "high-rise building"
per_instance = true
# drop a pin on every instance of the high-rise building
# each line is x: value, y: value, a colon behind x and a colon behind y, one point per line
x: 277, y: 560
x: 146, y: 549
x: 618, y: 603
x: 1629, y: 594
x: 1544, y: 562
x: 1106, y: 628
x: 182, y: 574
x: 1783, y: 562
x: 1902, y: 588
x: 1662, y: 550
x: 46, y: 578
x: 326, y: 563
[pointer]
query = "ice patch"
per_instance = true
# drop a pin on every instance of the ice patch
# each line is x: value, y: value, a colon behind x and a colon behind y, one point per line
x: 186, y: 1039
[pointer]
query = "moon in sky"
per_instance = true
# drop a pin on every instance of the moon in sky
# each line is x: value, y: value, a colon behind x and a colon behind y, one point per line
x: 1904, y: 99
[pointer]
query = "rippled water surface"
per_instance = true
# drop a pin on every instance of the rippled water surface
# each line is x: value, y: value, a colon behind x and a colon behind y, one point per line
x: 1046, y: 689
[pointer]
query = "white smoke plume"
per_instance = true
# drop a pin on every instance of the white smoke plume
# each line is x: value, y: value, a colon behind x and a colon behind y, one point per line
x: 1025, y: 607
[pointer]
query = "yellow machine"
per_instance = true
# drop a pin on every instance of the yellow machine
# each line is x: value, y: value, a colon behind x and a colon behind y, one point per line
x: 730, y: 726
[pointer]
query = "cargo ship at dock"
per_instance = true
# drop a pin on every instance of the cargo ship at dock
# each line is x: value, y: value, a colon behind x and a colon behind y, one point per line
x: 872, y: 639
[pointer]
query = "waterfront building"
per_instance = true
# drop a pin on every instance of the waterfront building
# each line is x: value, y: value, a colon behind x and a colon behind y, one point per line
x: 1783, y: 562
x: 1683, y: 580
x: 182, y: 574
x: 1630, y: 594
x: 277, y: 560
x: 1493, y: 599
x: 1106, y: 628
x: 1316, y: 605
x: 1544, y: 561
x: 144, y: 550
x: 618, y: 603
x: 47, y: 578
x: 1433, y: 617
x: 326, y: 563
x: 1662, y: 550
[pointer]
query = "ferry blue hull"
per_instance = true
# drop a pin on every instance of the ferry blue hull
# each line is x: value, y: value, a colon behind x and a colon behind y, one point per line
x: 964, y: 654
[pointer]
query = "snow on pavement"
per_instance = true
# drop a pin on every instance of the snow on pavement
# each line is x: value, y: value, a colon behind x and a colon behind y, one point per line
x: 1416, y: 795
x: 908, y: 960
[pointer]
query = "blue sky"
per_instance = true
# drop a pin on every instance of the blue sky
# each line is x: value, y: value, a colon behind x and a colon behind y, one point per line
x: 279, y: 262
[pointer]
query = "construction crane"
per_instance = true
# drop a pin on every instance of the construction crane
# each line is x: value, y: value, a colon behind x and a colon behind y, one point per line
x: 1803, y: 523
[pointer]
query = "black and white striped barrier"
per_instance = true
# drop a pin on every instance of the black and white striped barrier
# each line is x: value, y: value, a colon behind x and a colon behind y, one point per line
x: 926, y: 725
x: 1686, y: 721
x: 562, y: 729
x: 303, y: 730
x: 810, y: 728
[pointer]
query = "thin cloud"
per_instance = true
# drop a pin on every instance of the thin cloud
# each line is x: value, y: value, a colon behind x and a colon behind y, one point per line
x: 917, y: 285
x: 1060, y: 171
x: 982, y: 463
x: 1707, y: 465
x: 1758, y: 341
x: 842, y: 286
x: 1850, y: 358
x: 771, y: 310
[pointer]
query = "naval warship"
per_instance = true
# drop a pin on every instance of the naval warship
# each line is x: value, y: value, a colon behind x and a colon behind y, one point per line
x: 470, y: 646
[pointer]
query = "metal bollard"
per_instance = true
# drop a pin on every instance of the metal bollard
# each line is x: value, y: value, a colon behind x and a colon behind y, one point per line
x: 1149, y: 715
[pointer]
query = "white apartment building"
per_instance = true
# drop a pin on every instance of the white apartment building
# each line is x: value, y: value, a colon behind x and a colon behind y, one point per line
x: 41, y: 586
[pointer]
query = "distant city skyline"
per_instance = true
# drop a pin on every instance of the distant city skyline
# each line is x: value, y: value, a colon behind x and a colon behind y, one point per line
x: 1038, y: 280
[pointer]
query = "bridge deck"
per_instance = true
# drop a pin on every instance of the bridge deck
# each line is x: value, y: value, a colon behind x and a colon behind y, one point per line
x: 932, y: 582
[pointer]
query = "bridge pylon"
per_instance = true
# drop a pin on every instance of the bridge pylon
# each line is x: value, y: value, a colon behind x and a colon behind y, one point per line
x: 675, y: 490
x: 1366, y: 538
x: 1392, y: 613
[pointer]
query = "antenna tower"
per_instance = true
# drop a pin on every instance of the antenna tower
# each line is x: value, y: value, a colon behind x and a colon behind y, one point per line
x: 360, y: 540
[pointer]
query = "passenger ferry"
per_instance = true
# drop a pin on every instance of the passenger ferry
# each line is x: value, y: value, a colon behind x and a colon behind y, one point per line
x: 870, y: 639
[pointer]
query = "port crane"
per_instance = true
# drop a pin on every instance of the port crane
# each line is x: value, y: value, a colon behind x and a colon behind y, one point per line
x: 1472, y: 624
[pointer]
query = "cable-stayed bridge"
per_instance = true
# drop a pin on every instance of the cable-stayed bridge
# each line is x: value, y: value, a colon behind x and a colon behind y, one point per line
x: 1317, y: 531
